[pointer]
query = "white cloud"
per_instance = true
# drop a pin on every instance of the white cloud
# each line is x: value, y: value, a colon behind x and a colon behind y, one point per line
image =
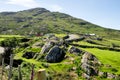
x: 24, y: 3
x: 55, y: 7
x: 33, y: 4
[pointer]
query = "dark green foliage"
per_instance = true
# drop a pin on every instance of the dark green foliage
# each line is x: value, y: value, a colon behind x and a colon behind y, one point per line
x: 25, y: 40
x: 10, y: 42
x: 28, y: 55
x: 114, y: 70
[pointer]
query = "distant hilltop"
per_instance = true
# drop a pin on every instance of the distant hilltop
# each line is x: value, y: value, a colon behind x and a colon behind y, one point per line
x: 40, y: 20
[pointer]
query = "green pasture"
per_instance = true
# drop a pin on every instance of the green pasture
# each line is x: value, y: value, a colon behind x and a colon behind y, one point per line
x: 107, y: 57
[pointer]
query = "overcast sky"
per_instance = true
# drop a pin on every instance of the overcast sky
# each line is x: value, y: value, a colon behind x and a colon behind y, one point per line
x: 105, y: 13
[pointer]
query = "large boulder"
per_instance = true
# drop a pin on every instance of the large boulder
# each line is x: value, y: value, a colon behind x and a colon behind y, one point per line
x: 46, y: 47
x: 89, y: 64
x: 56, y: 54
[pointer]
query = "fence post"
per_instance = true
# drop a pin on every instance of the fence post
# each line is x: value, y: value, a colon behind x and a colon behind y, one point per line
x: 41, y: 74
x: 19, y: 73
x: 11, y: 64
x: 32, y: 73
x: 2, y: 68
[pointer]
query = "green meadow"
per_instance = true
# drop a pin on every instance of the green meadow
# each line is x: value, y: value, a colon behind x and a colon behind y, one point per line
x: 106, y: 57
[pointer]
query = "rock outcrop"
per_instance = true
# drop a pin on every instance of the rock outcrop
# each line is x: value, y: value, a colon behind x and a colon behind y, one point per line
x: 111, y: 76
x: 108, y: 75
x: 55, y: 54
x: 89, y: 64
x: 75, y: 50
x: 102, y: 74
x: 2, y: 51
x: 46, y: 47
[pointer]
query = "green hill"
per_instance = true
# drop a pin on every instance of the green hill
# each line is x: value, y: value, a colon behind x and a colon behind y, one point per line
x: 71, y: 49
x: 39, y: 20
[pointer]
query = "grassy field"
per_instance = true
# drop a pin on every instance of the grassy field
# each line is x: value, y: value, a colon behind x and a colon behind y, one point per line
x: 63, y: 70
x: 85, y: 43
x: 116, y: 42
x: 60, y: 35
x: 107, y: 57
x: 1, y: 39
x: 10, y: 36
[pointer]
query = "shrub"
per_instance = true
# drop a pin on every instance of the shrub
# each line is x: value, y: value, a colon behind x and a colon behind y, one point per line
x: 10, y: 42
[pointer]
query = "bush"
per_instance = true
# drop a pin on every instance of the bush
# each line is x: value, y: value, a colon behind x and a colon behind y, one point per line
x: 114, y: 70
x: 10, y: 42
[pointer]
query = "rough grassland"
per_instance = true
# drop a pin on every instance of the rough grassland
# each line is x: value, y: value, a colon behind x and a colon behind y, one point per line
x: 107, y: 57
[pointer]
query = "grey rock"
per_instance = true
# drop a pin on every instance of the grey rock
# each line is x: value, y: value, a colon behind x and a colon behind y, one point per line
x: 85, y: 66
x: 75, y: 50
x: 2, y: 51
x: 7, y: 67
x: 102, y: 74
x: 89, y: 56
x: 84, y: 60
x: 87, y: 77
x: 46, y: 47
x: 89, y: 70
x: 56, y: 54
x: 111, y: 76
x: 89, y: 64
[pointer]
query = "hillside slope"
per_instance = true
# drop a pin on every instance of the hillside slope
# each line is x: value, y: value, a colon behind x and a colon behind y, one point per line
x: 39, y: 20
x: 85, y: 58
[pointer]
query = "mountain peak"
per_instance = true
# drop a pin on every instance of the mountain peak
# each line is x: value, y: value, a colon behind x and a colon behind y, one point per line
x: 38, y: 9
